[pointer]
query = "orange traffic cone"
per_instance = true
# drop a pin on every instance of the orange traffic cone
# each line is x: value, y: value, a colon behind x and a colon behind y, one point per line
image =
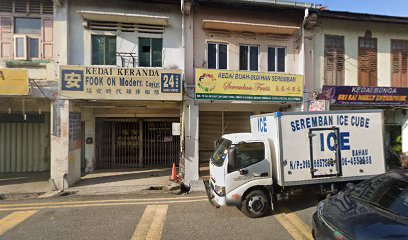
x: 173, y: 176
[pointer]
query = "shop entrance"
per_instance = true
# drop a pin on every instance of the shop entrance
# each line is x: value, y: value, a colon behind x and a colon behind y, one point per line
x: 133, y: 143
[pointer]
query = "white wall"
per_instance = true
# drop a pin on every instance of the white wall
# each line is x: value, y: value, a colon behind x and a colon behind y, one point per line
x: 201, y: 37
x: 352, y: 30
x: 79, y: 42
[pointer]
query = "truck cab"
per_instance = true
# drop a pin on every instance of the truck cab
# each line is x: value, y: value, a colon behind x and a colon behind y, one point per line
x: 241, y: 174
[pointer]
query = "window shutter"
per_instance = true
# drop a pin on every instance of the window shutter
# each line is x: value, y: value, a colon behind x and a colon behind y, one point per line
x: 334, y: 60
x: 367, y: 62
x: 404, y: 67
x: 399, y: 60
x: 373, y: 64
x: 6, y: 37
x: 20, y: 6
x: 47, y: 43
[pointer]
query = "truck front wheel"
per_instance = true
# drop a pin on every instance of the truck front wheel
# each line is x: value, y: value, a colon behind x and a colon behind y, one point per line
x: 255, y: 204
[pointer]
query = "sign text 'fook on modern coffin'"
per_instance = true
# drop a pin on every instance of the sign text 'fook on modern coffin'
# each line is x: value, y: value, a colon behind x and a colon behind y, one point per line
x: 84, y: 82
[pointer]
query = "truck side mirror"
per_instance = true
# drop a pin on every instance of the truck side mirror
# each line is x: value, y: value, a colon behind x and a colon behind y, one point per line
x: 231, y: 157
x: 215, y: 144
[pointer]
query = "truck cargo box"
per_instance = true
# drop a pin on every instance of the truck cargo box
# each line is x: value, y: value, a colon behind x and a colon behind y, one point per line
x: 323, y: 147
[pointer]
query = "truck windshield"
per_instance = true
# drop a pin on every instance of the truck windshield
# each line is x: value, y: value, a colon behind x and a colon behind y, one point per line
x: 220, y: 152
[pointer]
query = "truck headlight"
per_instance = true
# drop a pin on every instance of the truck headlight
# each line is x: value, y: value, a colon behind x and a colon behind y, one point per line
x: 220, y: 191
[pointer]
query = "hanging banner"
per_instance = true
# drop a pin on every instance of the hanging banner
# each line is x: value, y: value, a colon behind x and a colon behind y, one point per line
x: 213, y: 84
x: 356, y: 95
x: 13, y: 81
x: 85, y: 82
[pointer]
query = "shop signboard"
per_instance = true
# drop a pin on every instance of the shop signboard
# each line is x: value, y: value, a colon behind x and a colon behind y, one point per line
x: 358, y: 95
x: 211, y: 84
x: 13, y: 81
x: 89, y: 82
x: 318, y: 106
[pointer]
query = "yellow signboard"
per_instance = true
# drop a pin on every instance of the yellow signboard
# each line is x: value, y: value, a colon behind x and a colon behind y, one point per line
x: 13, y: 81
x: 248, y: 86
x: 88, y: 82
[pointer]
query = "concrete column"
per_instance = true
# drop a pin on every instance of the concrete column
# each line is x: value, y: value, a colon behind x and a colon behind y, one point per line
x: 61, y: 18
x: 89, y: 119
x: 60, y: 143
x: 191, y: 142
x: 65, y: 164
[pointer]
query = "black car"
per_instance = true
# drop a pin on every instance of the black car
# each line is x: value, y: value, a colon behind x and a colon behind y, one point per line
x: 373, y: 209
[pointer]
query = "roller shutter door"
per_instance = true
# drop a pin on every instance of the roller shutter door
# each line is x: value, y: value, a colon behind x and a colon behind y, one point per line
x: 24, y: 143
x: 213, y: 125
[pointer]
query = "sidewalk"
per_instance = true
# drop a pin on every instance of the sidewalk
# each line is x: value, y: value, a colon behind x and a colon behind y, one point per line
x: 121, y: 181
x: 24, y: 184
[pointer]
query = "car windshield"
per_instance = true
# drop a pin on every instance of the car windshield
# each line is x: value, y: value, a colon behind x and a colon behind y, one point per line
x: 221, y: 149
x: 388, y: 192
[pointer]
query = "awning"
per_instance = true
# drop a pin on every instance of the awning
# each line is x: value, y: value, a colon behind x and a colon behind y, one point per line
x: 249, y: 27
x: 124, y: 18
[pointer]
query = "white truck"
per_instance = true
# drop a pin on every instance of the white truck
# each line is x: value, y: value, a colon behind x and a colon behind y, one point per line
x: 290, y: 150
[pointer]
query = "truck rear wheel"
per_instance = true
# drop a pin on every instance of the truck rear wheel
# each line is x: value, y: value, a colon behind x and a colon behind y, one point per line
x: 256, y: 204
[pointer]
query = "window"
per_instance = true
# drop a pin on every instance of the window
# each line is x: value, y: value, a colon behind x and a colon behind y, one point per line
x: 24, y: 25
x: 399, y: 61
x: 103, y: 50
x: 33, y: 45
x: 334, y: 60
x: 217, y: 56
x: 150, y: 52
x: 248, y: 58
x: 220, y: 152
x: 248, y: 154
x: 20, y: 47
x: 27, y: 33
x: 276, y: 59
x: 367, y: 61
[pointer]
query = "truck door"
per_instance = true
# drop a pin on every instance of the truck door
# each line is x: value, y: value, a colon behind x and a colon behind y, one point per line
x: 325, y: 152
x: 250, y: 164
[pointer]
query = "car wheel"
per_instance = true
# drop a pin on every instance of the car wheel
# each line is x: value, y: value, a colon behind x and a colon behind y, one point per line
x: 255, y: 204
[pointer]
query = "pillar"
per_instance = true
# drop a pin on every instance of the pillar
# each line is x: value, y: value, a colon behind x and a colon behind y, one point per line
x: 59, y: 143
x: 89, y: 119
x: 191, y: 142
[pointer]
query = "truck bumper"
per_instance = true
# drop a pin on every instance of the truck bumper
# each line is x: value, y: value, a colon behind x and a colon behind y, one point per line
x: 215, y: 200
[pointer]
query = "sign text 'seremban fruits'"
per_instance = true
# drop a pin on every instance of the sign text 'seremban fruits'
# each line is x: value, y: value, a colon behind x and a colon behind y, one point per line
x: 295, y: 150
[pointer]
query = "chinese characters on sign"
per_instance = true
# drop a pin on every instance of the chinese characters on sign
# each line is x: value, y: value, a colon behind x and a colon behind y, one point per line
x: 13, y: 82
x: 248, y: 86
x: 120, y: 83
x: 356, y: 95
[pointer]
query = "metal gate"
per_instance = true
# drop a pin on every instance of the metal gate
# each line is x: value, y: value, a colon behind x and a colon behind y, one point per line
x: 160, y: 148
x: 132, y: 142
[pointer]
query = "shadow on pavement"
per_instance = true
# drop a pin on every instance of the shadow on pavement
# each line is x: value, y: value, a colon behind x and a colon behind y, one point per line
x: 126, y: 176
x: 18, y: 183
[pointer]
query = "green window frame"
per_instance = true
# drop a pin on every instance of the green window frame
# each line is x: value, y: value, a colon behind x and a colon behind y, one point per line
x: 103, y: 50
x: 150, y: 52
